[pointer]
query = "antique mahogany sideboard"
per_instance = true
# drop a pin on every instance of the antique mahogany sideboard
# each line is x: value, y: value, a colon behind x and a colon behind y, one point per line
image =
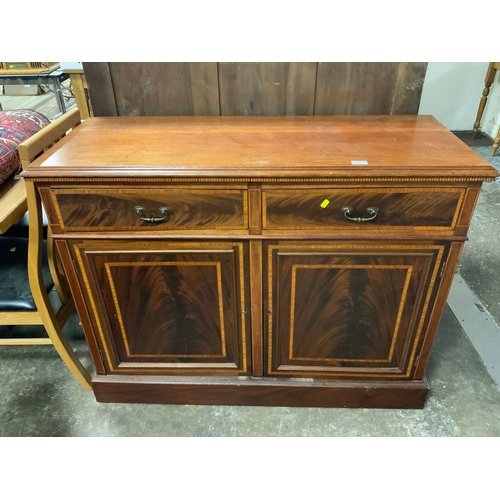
x: 298, y: 261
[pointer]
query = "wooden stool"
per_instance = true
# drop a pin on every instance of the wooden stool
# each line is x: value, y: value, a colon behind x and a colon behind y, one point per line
x: 490, y: 77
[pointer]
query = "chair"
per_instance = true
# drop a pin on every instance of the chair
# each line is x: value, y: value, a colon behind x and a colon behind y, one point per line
x: 16, y: 196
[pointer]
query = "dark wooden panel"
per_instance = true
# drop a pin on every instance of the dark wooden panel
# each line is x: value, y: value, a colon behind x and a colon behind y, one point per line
x: 321, y: 209
x: 164, y: 89
x: 261, y: 392
x: 105, y: 210
x: 300, y: 88
x: 101, y: 90
x: 341, y: 311
x: 408, y: 89
x: 252, y: 88
x: 347, y: 311
x: 270, y: 88
x: 168, y: 308
x: 355, y: 88
x: 176, y: 303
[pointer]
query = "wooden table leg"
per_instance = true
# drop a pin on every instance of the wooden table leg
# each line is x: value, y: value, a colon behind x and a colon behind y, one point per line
x: 490, y: 76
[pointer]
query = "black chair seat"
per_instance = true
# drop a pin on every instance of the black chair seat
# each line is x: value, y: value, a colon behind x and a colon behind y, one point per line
x: 21, y: 229
x: 15, y: 292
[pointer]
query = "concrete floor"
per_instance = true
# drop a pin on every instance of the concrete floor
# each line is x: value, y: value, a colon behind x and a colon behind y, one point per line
x: 480, y: 261
x: 39, y: 397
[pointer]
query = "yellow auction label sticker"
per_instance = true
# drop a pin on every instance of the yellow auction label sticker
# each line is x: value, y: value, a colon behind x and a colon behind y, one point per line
x: 325, y: 203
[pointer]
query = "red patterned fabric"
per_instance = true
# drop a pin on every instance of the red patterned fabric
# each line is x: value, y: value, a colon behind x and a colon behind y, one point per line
x: 15, y: 127
x: 9, y: 158
x: 34, y: 116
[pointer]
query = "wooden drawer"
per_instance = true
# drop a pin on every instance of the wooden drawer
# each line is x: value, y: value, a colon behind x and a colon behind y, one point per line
x: 115, y: 209
x: 437, y: 208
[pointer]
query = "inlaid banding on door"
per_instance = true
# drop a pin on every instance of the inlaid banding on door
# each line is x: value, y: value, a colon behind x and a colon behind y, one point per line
x: 410, y: 307
x: 402, y: 300
x: 113, y: 344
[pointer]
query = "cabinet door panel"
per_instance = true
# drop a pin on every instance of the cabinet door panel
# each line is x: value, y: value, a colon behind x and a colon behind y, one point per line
x: 168, y: 307
x: 347, y: 310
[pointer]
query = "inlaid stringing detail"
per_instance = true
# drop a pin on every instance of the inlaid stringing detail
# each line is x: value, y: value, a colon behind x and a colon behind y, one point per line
x: 336, y: 190
x: 108, y: 266
x: 92, y: 304
x: 243, y: 307
x: 172, y: 181
x: 409, y: 270
x: 140, y: 247
x: 424, y: 310
x: 437, y: 265
x: 103, y: 190
x: 458, y: 210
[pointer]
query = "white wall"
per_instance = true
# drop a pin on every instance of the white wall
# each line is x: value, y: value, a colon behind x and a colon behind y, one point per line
x: 452, y: 92
x: 491, y: 117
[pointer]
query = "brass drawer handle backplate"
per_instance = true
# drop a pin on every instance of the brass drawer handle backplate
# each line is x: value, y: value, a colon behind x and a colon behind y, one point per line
x: 373, y: 211
x: 141, y: 211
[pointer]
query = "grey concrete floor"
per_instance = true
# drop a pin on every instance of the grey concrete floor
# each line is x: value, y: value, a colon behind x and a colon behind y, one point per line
x: 480, y: 261
x: 39, y: 397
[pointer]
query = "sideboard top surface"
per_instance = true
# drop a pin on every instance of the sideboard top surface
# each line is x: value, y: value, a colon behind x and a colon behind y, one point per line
x: 285, y: 146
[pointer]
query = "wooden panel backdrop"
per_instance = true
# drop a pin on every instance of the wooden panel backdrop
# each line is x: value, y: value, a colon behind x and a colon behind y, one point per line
x: 278, y: 88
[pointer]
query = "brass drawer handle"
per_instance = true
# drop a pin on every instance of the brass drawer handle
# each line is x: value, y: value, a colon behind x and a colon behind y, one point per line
x: 373, y: 211
x: 141, y: 211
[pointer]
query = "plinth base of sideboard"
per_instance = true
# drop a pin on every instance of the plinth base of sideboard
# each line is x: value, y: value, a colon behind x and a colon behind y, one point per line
x: 257, y: 391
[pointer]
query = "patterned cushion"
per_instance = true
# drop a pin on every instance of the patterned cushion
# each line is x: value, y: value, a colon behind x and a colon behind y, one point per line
x: 15, y: 127
x: 34, y: 116
x: 9, y: 158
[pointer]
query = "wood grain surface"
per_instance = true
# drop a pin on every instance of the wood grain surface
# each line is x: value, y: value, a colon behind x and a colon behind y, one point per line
x: 101, y: 89
x: 254, y: 88
x: 286, y: 209
x: 168, y: 307
x: 235, y: 147
x: 114, y: 209
x: 355, y: 88
x: 346, y: 309
x: 253, y: 273
x: 261, y: 391
x: 158, y: 89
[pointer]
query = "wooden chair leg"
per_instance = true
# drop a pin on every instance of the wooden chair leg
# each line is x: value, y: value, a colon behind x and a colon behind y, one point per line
x: 40, y: 296
x: 490, y: 76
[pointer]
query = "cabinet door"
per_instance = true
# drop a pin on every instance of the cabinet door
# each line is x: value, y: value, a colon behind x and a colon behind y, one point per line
x: 348, y: 310
x: 168, y: 308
